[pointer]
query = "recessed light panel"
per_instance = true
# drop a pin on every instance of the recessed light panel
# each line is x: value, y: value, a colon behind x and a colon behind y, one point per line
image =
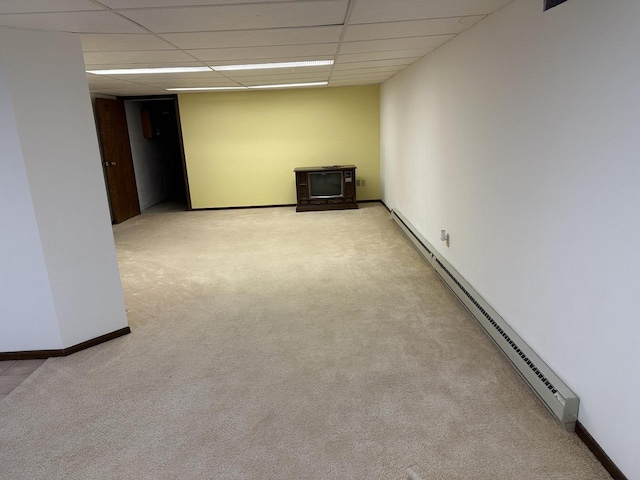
x: 291, y: 85
x: 201, y: 89
x: 260, y: 66
x: 138, y: 71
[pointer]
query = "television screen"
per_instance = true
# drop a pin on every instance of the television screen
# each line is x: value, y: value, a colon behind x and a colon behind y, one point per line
x: 325, y: 184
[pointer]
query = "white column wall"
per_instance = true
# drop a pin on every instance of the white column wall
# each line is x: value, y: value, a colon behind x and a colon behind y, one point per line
x: 27, y: 315
x: 45, y: 80
x: 521, y: 137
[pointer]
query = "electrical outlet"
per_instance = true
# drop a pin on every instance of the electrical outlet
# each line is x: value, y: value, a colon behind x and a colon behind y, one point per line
x: 363, y: 183
x: 444, y: 236
x: 357, y: 183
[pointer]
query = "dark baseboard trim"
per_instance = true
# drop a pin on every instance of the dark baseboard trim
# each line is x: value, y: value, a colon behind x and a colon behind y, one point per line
x: 241, y: 208
x: 599, y: 453
x: 63, y: 352
x: 385, y: 206
x: 269, y: 206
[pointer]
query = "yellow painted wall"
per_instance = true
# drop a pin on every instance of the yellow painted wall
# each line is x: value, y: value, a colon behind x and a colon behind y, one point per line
x: 241, y: 147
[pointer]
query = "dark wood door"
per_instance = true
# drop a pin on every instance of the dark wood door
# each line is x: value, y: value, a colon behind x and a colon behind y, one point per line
x: 116, y: 159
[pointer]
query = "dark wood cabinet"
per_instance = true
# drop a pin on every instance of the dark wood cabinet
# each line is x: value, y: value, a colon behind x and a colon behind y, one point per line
x: 331, y: 187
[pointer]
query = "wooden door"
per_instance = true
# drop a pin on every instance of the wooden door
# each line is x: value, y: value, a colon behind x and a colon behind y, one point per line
x: 116, y: 159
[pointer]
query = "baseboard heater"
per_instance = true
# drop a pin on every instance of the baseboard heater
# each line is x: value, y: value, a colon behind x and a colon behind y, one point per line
x: 555, y: 395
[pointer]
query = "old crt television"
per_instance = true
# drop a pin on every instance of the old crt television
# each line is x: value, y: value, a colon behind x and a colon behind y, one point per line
x: 325, y: 184
x: 326, y: 188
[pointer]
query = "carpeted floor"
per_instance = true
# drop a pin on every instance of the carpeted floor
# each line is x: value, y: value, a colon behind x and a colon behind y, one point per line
x: 273, y: 345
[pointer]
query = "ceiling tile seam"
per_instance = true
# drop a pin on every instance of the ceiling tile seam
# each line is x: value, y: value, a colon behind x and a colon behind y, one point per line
x: 341, y: 73
x: 409, y: 60
x: 422, y: 19
x: 364, y: 75
x: 263, y: 29
x: 414, y: 50
x: 367, y: 52
x: 245, y: 29
x: 217, y: 5
x: 352, y: 84
x: 267, y: 59
x: 33, y: 29
x: 98, y: 2
x: 131, y: 51
x: 384, y: 39
x: 456, y: 35
x: 263, y: 45
x: 138, y: 63
x: 307, y: 74
x: 122, y: 80
x: 345, y: 22
x: 50, y: 12
x: 338, y: 72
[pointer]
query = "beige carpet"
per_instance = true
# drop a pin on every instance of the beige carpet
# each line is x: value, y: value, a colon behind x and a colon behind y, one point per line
x: 273, y: 345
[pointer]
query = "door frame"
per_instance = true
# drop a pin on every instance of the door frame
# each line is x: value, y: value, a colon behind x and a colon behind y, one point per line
x: 183, y: 158
x: 123, y: 185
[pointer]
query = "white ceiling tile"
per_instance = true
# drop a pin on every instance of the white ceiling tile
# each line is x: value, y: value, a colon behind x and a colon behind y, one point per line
x: 275, y: 81
x: 250, y: 38
x: 41, y: 6
x: 102, y: 66
x: 102, y: 80
x: 192, y: 83
x: 256, y: 53
x: 393, y: 54
x: 238, y: 17
x: 270, y: 60
x: 104, y: 42
x: 122, y: 4
x: 362, y: 73
x: 375, y: 78
x: 292, y: 76
x: 411, y: 28
x: 152, y: 56
x: 99, y: 80
x: 132, y: 91
x: 173, y: 77
x: 349, y: 68
x: 378, y: 63
x: 347, y: 83
x: 119, y: 87
x: 372, y: 11
x: 79, y: 22
x: 429, y: 42
x: 241, y: 74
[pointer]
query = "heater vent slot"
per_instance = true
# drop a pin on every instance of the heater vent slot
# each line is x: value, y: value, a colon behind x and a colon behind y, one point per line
x: 551, y: 390
x: 504, y: 335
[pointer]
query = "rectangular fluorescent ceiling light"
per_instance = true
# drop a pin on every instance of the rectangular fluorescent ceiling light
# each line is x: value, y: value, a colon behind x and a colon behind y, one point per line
x: 195, y: 89
x: 134, y: 71
x: 260, y: 66
x: 290, y: 85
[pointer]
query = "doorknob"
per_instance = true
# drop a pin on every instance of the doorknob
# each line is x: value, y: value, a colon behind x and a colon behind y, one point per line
x: 106, y: 164
x: 113, y: 163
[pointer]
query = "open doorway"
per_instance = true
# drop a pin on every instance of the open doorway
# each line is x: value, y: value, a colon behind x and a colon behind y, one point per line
x: 157, y: 152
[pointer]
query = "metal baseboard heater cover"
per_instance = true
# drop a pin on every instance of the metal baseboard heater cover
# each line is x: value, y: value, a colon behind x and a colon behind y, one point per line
x: 555, y: 395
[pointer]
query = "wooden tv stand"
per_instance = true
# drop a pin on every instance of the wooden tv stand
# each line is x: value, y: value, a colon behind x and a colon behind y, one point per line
x: 308, y: 202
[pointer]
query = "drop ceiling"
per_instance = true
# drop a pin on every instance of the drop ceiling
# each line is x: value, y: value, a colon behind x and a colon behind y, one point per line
x: 369, y: 40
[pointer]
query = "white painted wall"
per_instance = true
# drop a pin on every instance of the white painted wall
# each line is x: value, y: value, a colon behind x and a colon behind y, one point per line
x: 27, y: 315
x: 521, y: 138
x: 45, y: 80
